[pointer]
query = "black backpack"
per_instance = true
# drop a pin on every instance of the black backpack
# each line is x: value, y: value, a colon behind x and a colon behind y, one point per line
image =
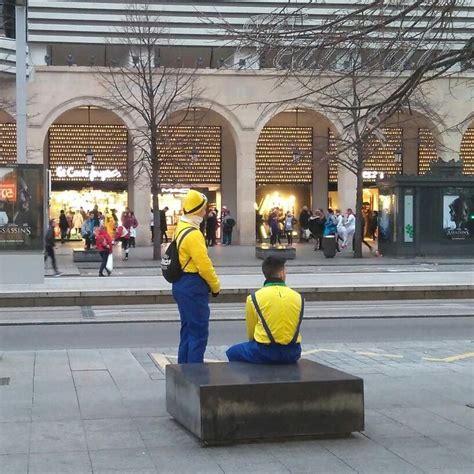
x: 170, y: 266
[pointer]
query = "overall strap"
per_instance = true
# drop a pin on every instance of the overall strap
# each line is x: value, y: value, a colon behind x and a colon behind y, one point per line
x: 295, y: 337
x: 265, y: 325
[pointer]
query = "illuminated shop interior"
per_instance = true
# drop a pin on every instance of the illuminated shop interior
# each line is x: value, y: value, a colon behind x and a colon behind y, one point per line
x: 467, y: 151
x: 75, y: 182
x: 190, y: 156
x: 7, y: 142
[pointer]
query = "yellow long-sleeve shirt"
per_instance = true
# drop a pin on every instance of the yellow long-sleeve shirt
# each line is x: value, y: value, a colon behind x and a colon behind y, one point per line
x: 281, y: 307
x: 193, y: 249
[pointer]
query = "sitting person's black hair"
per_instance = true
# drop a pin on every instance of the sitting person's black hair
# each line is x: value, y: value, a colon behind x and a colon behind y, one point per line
x: 272, y: 266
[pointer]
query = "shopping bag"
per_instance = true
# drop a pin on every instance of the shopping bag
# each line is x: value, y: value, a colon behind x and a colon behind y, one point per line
x: 110, y: 263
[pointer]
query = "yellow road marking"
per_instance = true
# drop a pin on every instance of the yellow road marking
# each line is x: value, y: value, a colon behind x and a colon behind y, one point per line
x: 454, y: 358
x: 380, y: 354
x: 314, y: 351
x: 160, y: 360
x: 205, y: 360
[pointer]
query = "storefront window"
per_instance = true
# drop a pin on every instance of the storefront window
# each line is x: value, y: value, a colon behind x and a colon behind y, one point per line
x: 385, y: 216
x: 458, y: 213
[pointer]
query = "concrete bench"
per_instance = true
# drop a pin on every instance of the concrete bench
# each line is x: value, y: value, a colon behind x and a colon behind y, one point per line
x: 83, y: 256
x: 263, y: 251
x: 223, y: 403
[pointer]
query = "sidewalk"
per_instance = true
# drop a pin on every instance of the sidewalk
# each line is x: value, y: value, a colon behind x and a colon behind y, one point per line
x: 103, y: 411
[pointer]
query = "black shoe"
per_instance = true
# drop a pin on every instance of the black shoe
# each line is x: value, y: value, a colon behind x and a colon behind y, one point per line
x: 101, y: 275
x: 108, y: 272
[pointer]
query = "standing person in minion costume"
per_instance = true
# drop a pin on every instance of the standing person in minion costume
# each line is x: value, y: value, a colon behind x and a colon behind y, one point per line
x: 191, y: 291
x: 273, y: 314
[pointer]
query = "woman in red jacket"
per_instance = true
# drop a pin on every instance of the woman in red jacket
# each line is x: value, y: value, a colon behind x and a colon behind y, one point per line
x: 104, y: 246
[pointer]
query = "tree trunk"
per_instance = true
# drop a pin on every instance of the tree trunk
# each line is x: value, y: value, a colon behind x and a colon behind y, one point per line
x: 358, y: 236
x: 155, y: 189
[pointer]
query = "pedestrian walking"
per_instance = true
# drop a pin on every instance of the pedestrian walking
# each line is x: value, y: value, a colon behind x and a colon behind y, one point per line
x: 191, y: 291
x: 152, y: 225
x: 228, y: 223
x: 288, y: 224
x: 49, y: 244
x: 122, y: 235
x: 132, y: 229
x: 63, y: 225
x: 373, y: 225
x: 104, y: 246
x: 164, y: 224
x: 304, y: 224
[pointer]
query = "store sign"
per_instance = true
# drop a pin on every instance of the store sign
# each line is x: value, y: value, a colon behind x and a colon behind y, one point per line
x: 21, y: 207
x: 370, y: 174
x: 8, y: 191
x: 174, y: 190
x: 89, y: 174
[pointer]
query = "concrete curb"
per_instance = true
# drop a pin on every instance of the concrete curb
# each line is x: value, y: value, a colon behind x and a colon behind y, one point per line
x: 235, y: 295
x: 50, y: 322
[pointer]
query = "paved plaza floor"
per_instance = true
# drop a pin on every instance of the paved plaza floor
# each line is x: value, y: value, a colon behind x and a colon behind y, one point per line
x: 103, y: 411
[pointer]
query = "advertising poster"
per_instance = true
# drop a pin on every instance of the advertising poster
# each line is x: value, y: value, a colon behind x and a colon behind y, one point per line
x: 21, y: 207
x: 458, y: 214
x: 408, y: 227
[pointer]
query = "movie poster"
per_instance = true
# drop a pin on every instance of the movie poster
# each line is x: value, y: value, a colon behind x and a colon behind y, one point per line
x: 21, y: 207
x: 458, y: 214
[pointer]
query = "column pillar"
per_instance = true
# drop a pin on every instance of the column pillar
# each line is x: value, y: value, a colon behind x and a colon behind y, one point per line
x: 246, y: 147
x: 320, y: 171
x: 346, y: 188
x: 450, y: 144
x: 139, y: 197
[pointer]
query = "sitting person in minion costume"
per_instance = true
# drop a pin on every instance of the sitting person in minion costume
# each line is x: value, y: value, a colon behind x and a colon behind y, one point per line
x: 191, y: 291
x: 273, y: 314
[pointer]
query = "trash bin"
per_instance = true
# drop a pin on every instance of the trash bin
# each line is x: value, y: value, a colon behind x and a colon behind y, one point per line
x: 329, y: 246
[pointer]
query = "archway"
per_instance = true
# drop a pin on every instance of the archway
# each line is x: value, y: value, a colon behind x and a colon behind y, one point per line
x: 197, y: 150
x: 87, y: 153
x: 292, y: 169
x: 7, y: 138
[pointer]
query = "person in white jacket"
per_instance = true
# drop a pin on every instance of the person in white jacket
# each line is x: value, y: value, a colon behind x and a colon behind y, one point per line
x: 77, y: 222
x: 350, y: 225
x: 340, y: 228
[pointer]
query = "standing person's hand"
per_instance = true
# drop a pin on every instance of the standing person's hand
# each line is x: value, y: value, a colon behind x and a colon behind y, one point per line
x: 215, y: 295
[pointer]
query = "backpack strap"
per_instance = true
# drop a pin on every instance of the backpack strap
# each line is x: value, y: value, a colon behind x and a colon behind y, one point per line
x: 178, y: 244
x: 264, y: 323
x: 295, y: 337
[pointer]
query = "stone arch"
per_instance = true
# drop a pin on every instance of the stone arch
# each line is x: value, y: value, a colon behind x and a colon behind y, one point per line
x: 312, y: 190
x: 212, y: 114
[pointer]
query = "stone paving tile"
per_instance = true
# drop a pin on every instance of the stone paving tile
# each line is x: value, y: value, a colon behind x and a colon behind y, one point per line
x: 243, y: 455
x: 429, y: 458
x: 460, y: 444
x: 76, y: 462
x: 387, y: 465
x: 184, y: 460
x: 95, y: 378
x: 15, y: 411
x: 14, y: 463
x: 85, y: 359
x: 121, y: 459
x: 308, y: 456
x: 267, y: 468
x: 14, y: 438
x: 125, y: 471
x: 164, y: 431
x: 459, y: 414
x: 56, y: 437
x: 112, y: 434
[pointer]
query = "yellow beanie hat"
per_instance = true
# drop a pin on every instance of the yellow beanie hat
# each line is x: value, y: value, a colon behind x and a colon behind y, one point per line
x: 194, y: 202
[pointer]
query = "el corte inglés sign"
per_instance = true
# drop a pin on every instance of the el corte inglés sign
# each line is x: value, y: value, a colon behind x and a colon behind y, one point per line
x: 88, y: 174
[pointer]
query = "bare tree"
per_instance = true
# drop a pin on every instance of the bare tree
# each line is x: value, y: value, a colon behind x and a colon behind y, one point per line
x: 152, y: 92
x: 363, y: 64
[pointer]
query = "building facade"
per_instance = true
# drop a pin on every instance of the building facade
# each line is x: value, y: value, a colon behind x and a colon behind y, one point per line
x: 233, y: 146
